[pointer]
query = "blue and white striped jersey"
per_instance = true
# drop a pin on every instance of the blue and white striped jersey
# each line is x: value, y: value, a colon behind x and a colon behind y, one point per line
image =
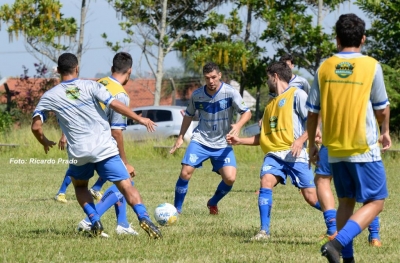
x: 300, y: 83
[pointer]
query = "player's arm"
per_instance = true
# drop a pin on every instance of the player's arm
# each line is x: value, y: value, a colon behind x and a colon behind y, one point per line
x: 37, y: 131
x: 313, y: 105
x: 385, y: 139
x: 244, y: 118
x: 236, y: 140
x: 62, y: 142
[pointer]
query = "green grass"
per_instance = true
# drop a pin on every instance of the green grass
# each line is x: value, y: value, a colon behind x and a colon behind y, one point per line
x: 34, y: 228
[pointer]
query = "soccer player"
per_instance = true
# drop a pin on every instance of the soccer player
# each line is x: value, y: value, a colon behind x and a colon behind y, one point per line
x: 120, y: 74
x: 283, y: 140
x: 349, y: 93
x: 91, y: 147
x: 216, y: 102
x: 296, y: 80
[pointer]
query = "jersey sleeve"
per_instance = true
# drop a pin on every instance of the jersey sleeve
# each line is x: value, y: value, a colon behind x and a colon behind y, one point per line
x: 42, y: 108
x: 379, y: 98
x: 313, y: 103
x: 102, y: 94
x: 306, y: 86
x: 300, y: 99
x: 238, y: 103
x: 117, y: 120
x: 190, y: 109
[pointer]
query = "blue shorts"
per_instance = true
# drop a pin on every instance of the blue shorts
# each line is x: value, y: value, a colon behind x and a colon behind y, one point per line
x: 197, y: 153
x: 362, y: 181
x: 300, y: 173
x: 111, y: 169
x: 323, y: 167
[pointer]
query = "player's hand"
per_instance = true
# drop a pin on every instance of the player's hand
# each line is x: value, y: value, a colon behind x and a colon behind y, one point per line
x: 131, y: 170
x: 150, y: 125
x: 296, y: 148
x: 318, y: 137
x: 385, y: 141
x: 314, y: 155
x: 232, y: 139
x: 235, y: 129
x: 177, y: 145
x: 47, y: 145
x: 62, y: 142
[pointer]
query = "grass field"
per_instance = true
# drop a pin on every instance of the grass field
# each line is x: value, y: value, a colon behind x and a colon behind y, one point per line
x: 35, y: 228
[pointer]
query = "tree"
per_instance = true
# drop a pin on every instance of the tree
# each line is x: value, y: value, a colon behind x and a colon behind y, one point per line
x: 156, y: 26
x: 44, y: 27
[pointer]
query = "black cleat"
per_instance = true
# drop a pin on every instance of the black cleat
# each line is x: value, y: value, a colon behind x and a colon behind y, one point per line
x: 96, y: 229
x: 150, y: 228
x: 330, y: 252
x: 349, y: 260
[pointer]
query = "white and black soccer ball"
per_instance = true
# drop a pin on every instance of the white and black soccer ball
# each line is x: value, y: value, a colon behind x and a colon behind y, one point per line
x: 166, y: 214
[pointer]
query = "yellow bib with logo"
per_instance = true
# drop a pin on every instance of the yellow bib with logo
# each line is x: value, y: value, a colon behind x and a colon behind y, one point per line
x: 345, y: 89
x: 112, y: 86
x: 277, y: 127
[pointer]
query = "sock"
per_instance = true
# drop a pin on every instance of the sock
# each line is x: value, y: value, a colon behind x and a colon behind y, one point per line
x: 265, y: 206
x: 141, y: 212
x: 64, y: 185
x: 98, y: 184
x: 90, y: 211
x: 222, y: 190
x: 347, y: 251
x: 350, y: 230
x: 317, y: 206
x: 181, y: 189
x: 373, y: 229
x: 330, y: 221
x: 120, y: 212
x: 109, y: 199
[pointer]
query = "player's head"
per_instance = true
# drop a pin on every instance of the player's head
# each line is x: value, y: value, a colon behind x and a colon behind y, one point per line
x: 278, y: 72
x: 212, y: 75
x: 288, y: 59
x: 122, y: 64
x: 67, y: 64
x: 350, y: 31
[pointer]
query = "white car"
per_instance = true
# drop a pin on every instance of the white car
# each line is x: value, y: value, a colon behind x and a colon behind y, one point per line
x: 251, y: 130
x: 168, y: 120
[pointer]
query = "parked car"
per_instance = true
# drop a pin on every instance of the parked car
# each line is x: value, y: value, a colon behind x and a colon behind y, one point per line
x: 251, y: 130
x: 168, y: 120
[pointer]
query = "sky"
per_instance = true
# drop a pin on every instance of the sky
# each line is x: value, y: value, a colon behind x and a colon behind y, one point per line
x: 102, y: 18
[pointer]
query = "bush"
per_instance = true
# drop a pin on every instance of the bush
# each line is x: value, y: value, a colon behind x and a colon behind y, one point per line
x: 5, y: 122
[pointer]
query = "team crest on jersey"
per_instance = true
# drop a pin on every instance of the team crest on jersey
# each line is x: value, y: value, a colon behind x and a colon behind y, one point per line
x: 72, y: 93
x: 104, y: 82
x: 223, y: 104
x: 344, y: 69
x: 273, y: 121
x: 193, y: 158
x: 263, y: 201
x: 281, y: 103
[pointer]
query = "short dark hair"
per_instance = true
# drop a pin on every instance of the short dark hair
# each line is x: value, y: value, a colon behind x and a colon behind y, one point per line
x: 66, y: 63
x: 287, y: 57
x: 210, y: 67
x: 122, y: 62
x: 350, y: 30
x: 281, y: 69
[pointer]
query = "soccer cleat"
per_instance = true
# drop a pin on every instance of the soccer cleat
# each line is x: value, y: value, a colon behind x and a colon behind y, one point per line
x: 260, y: 236
x: 329, y: 251
x: 150, y: 228
x: 96, y: 229
x: 96, y: 194
x: 60, y: 198
x: 87, y: 227
x: 213, y: 208
x: 325, y: 238
x: 126, y: 230
x: 375, y: 242
x: 348, y: 260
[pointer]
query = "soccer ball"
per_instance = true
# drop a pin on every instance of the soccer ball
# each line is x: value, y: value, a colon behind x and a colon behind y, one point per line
x: 166, y: 214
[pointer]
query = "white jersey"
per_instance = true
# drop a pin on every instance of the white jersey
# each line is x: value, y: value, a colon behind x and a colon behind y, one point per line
x: 81, y: 118
x: 215, y: 114
x: 300, y: 83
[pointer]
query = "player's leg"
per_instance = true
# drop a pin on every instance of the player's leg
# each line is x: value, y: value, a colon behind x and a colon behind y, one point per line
x: 373, y: 237
x: 123, y: 226
x: 113, y: 170
x: 60, y: 196
x: 224, y: 163
x: 96, y: 188
x: 194, y: 156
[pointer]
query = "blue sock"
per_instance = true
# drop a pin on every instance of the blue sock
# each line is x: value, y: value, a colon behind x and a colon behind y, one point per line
x: 222, y: 190
x: 141, y: 212
x: 350, y: 230
x: 120, y: 212
x: 109, y: 199
x: 98, y: 184
x: 317, y: 206
x: 181, y: 189
x: 330, y: 221
x: 347, y: 251
x: 64, y: 185
x: 265, y: 206
x: 90, y: 211
x: 373, y: 229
